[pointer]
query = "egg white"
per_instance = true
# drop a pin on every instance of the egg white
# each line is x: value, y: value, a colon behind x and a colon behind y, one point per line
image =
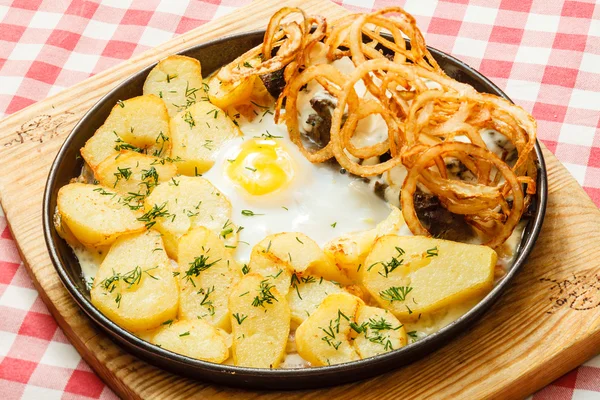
x: 319, y: 201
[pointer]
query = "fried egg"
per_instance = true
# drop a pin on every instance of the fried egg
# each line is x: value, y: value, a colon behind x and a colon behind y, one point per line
x: 273, y: 188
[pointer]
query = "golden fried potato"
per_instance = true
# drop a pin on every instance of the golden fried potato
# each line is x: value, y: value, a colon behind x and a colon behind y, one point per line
x: 260, y: 95
x: 278, y: 256
x: 183, y: 203
x: 63, y: 230
x: 148, y: 334
x: 193, y: 338
x: 380, y: 332
x: 207, y: 272
x: 134, y: 175
x: 224, y: 95
x: 325, y: 338
x: 177, y: 80
x: 295, y: 249
x: 411, y: 275
x: 102, y: 145
x: 134, y: 286
x: 140, y: 124
x: 271, y: 267
x: 95, y: 215
x: 349, y: 251
x: 197, y: 134
x: 306, y: 294
x: 258, y: 104
x: 260, y: 322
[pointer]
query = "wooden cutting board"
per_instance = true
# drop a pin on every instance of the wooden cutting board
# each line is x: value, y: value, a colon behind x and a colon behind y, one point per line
x: 545, y: 324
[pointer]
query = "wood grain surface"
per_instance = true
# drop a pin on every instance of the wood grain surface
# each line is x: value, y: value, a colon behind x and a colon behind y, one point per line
x: 545, y: 324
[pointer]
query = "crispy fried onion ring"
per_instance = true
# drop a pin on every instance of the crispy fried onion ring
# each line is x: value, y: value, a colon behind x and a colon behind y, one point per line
x: 486, y: 207
x: 431, y: 118
x: 348, y: 32
x: 291, y: 39
x: 366, y: 108
x: 436, y: 116
x: 332, y: 80
x: 340, y: 142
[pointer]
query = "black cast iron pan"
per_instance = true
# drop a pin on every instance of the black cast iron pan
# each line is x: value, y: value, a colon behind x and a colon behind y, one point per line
x: 212, y: 55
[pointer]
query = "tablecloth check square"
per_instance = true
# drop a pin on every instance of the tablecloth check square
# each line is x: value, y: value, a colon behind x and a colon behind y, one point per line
x: 544, y: 54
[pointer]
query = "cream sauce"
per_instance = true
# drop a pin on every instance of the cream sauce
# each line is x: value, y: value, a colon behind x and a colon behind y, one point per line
x: 90, y: 262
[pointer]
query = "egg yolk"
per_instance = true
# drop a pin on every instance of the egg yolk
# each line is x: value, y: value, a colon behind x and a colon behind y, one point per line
x: 262, y: 166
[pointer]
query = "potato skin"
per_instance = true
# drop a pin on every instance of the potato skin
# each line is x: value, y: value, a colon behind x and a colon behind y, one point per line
x: 134, y: 286
x: 412, y: 275
x: 177, y: 80
x: 193, y: 338
x: 95, y: 215
x: 207, y: 272
x: 260, y: 329
x: 325, y: 338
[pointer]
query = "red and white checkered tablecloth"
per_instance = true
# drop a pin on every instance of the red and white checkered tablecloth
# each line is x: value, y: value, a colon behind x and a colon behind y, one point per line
x: 545, y: 54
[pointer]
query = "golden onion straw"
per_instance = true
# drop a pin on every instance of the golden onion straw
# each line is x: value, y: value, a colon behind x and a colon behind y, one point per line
x: 424, y: 109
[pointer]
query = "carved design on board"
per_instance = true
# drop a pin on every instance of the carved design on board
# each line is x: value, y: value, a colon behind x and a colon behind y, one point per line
x: 40, y: 129
x: 578, y: 292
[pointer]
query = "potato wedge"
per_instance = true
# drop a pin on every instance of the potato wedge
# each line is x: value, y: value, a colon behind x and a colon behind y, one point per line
x: 224, y: 95
x: 134, y: 175
x: 197, y: 134
x: 134, y: 286
x: 95, y: 215
x: 207, y: 272
x: 193, y: 338
x: 177, y: 80
x: 349, y: 251
x: 260, y: 322
x: 380, y: 332
x: 411, y: 275
x: 184, y: 203
x: 140, y: 124
x: 325, y: 338
x: 306, y: 294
